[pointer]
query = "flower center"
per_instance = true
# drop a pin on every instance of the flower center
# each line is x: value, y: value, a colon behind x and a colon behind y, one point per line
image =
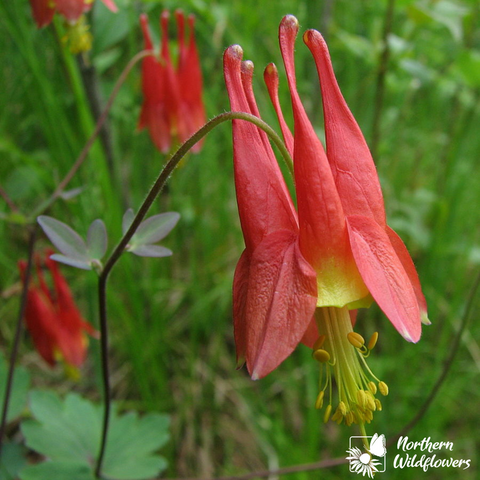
x: 78, y: 37
x: 341, y: 353
x: 365, y: 458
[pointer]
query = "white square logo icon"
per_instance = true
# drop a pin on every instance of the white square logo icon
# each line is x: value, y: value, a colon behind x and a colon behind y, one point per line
x: 367, y: 461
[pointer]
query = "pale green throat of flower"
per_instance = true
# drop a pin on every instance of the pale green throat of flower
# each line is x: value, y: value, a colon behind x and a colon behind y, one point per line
x: 341, y: 353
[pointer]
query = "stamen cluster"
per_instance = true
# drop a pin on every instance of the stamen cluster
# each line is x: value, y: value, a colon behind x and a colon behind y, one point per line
x: 341, y: 353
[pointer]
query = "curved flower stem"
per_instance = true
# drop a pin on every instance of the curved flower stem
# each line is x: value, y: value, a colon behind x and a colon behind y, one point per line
x: 119, y: 249
x: 86, y: 149
x: 18, y: 333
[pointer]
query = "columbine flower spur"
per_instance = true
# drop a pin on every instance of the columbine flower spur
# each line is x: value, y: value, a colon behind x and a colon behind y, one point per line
x: 305, y: 271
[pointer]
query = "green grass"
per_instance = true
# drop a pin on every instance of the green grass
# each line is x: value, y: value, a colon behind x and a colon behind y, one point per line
x: 172, y: 340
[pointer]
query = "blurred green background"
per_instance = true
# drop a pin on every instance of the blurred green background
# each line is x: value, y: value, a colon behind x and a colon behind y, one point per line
x: 410, y: 72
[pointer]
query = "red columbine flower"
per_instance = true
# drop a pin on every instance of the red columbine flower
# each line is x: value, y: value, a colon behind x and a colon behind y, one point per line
x: 53, y: 320
x: 172, y: 108
x: 72, y: 10
x: 304, y: 273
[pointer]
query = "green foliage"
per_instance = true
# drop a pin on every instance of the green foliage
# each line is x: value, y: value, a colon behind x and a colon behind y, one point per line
x: 20, y: 386
x: 172, y: 340
x: 68, y: 431
x: 12, y: 462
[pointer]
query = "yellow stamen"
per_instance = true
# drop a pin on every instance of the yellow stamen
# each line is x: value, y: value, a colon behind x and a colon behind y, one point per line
x: 319, y: 401
x: 342, y: 354
x: 356, y: 339
x: 383, y: 387
x: 319, y: 342
x: 328, y: 411
x: 373, y: 341
x: 321, y: 356
x: 361, y: 400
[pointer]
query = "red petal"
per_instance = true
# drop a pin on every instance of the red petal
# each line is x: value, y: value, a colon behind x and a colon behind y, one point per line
x: 71, y: 338
x: 408, y: 265
x: 240, y: 291
x: 111, y: 5
x: 350, y: 159
x: 42, y: 12
x: 311, y: 334
x: 270, y: 75
x: 72, y: 9
x: 384, y: 275
x: 264, y: 203
x: 190, y: 80
x: 323, y: 233
x: 42, y: 323
x: 173, y: 105
x: 154, y: 114
x: 280, y: 301
x: 321, y: 219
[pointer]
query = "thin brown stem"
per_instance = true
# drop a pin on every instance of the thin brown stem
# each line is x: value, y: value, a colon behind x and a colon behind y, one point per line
x: 381, y: 74
x: 339, y: 461
x: 120, y: 248
x: 305, y: 467
x: 86, y: 149
x: 447, y: 365
x: 8, y: 200
x: 18, y: 333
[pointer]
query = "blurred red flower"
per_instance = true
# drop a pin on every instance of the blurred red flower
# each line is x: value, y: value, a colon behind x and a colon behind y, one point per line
x: 57, y: 328
x: 172, y: 107
x: 43, y: 10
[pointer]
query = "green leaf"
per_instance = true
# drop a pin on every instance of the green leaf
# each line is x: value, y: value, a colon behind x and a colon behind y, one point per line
x: 12, y: 461
x: 108, y: 27
x: 418, y: 70
x: 67, y: 240
x: 74, y: 192
x: 68, y: 433
x: 150, y: 251
x: 451, y: 16
x: 127, y: 220
x: 84, y: 265
x: 57, y: 471
x: 97, y: 240
x: 468, y: 66
x: 155, y: 228
x: 20, y: 386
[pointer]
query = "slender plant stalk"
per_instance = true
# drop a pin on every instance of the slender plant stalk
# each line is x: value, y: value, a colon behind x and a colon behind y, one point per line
x: 86, y: 149
x: 8, y: 200
x: 120, y: 248
x: 91, y: 86
x: 18, y: 333
x: 339, y: 461
x: 305, y: 467
x: 381, y: 73
x: 447, y: 365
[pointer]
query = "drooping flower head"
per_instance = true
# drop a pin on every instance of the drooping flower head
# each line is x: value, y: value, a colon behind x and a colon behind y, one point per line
x: 71, y: 10
x: 57, y: 328
x: 304, y: 272
x: 172, y: 108
x: 77, y: 34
